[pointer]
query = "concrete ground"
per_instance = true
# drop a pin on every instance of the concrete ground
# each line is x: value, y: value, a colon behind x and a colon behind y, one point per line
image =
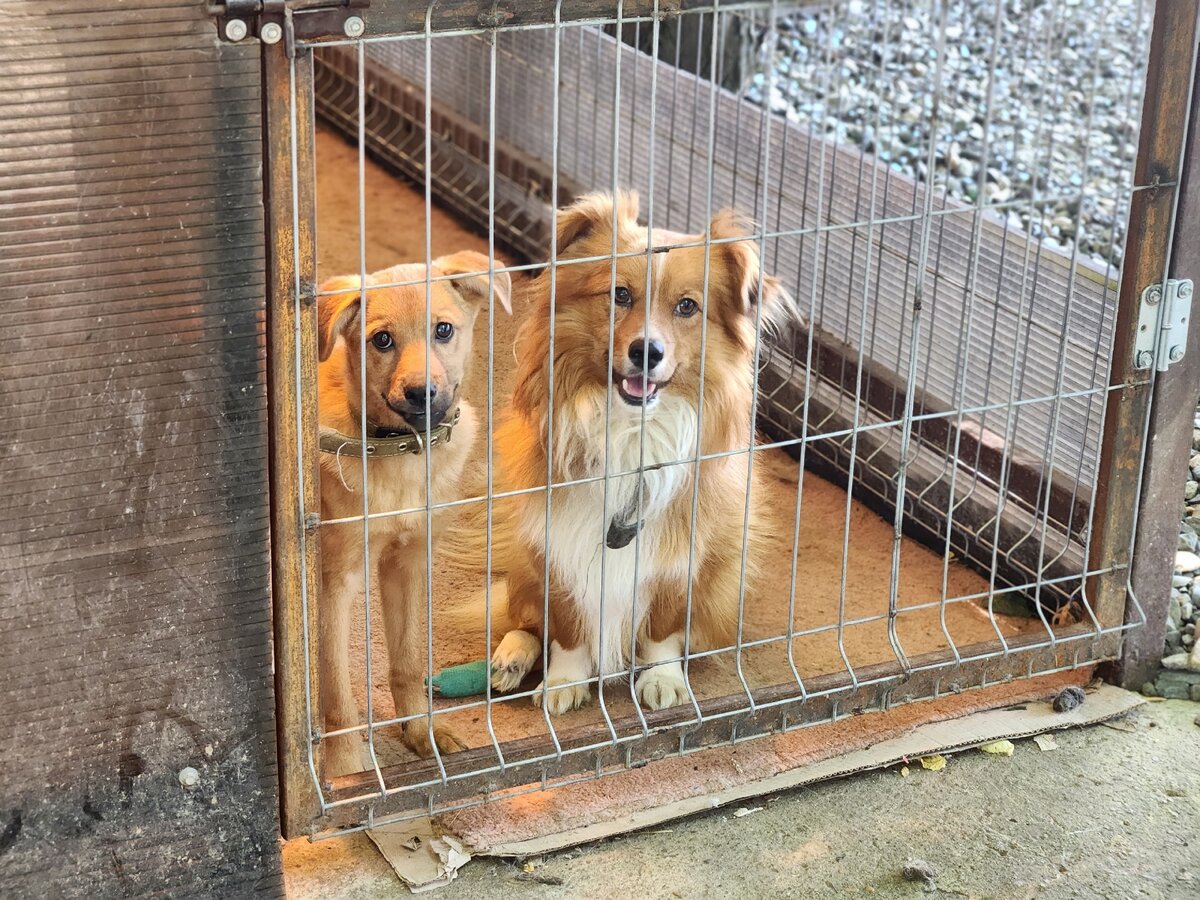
x: 1110, y: 813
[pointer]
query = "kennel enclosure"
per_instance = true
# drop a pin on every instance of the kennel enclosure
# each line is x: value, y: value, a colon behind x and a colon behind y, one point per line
x: 148, y: 313
x: 985, y: 378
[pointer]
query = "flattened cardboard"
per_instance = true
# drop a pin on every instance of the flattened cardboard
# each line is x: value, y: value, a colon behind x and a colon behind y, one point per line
x: 1020, y: 721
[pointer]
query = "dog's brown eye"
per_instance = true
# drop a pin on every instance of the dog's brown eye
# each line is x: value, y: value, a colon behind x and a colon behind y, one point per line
x: 686, y: 307
x: 382, y: 340
x: 444, y: 331
x: 623, y: 297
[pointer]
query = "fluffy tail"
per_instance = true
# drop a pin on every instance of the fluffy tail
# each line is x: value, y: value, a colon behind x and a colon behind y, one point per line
x: 469, y: 621
x: 464, y: 544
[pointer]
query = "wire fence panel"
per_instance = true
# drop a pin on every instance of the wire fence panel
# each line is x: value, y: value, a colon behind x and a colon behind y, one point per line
x: 726, y: 474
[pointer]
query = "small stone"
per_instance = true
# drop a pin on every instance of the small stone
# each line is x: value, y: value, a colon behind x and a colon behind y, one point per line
x: 1176, y: 662
x: 1191, y: 489
x: 1177, y: 685
x: 1181, y: 581
x: 1188, y: 541
x: 1068, y: 698
x: 1149, y: 689
x: 1186, y: 561
x: 1186, y: 611
x: 1194, y: 694
x: 919, y: 870
x: 1174, y: 613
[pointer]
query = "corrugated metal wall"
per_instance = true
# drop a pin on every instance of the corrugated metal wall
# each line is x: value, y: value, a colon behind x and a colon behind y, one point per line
x: 134, y: 606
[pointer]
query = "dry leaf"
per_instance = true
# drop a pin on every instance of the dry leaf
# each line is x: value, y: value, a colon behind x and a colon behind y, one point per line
x: 1045, y: 742
x: 934, y: 763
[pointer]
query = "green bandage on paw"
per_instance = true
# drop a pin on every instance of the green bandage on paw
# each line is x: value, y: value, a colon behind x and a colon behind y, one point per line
x: 465, y: 680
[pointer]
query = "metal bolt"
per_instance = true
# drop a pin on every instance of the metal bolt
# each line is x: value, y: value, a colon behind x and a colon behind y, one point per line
x: 189, y: 777
x: 1176, y: 354
x: 270, y: 33
x: 1154, y: 295
x: 1144, y: 359
x: 354, y: 27
x: 1185, y: 290
x: 235, y: 30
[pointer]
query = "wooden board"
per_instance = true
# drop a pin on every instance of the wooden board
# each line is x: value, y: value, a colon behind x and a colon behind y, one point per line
x: 135, y: 638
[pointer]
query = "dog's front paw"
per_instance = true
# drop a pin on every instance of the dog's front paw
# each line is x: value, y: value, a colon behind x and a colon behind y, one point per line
x: 416, y: 737
x: 662, y: 686
x: 345, y: 754
x: 563, y: 699
x: 513, y: 659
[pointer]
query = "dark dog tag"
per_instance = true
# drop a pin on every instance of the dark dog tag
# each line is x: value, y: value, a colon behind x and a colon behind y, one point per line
x: 620, y: 534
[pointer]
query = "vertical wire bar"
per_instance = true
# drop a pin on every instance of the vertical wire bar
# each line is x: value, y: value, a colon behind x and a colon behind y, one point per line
x: 1016, y: 378
x: 971, y: 297
x: 1030, y: 414
x: 491, y: 360
x: 554, y: 202
x: 918, y: 299
x: 691, y: 179
x: 1060, y: 373
x: 612, y: 312
x: 437, y: 753
x: 360, y: 51
x: 647, y: 300
x: 765, y: 169
x: 854, y: 429
x: 708, y: 201
x: 550, y: 372
x: 818, y: 235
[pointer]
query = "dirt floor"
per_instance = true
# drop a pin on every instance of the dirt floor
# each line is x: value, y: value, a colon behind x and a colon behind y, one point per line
x: 1110, y: 813
x: 394, y: 214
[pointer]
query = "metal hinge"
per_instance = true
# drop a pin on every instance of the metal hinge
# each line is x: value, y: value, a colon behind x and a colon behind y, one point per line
x: 1163, y: 324
x: 271, y: 20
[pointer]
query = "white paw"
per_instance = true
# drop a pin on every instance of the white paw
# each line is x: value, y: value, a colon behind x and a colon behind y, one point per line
x: 563, y: 699
x: 662, y: 686
x: 513, y: 659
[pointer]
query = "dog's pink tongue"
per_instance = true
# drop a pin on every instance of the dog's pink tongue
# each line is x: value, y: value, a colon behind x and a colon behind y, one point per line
x: 633, y: 387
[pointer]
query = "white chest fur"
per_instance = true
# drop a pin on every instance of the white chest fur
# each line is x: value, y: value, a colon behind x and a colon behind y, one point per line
x: 609, y: 583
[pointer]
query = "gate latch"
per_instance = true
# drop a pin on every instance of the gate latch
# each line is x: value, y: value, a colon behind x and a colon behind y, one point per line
x: 1163, y: 323
x: 268, y: 20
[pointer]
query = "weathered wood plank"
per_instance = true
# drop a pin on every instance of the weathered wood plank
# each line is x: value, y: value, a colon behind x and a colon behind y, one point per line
x: 295, y: 482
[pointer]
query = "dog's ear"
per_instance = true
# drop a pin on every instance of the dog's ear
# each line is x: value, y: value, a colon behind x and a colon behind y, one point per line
x: 593, y: 214
x: 750, y: 289
x: 335, y: 311
x: 474, y: 287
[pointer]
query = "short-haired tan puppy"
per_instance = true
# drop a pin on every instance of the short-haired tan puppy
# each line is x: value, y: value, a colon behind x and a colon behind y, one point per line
x: 399, y: 403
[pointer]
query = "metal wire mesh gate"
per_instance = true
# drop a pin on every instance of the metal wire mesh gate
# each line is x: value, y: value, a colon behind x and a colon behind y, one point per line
x: 972, y: 383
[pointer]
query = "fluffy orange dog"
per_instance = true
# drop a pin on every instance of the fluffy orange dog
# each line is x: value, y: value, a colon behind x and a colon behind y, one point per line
x: 655, y: 377
x: 397, y: 413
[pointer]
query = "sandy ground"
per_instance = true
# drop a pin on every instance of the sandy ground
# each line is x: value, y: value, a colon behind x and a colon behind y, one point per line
x: 1108, y: 814
x: 395, y: 222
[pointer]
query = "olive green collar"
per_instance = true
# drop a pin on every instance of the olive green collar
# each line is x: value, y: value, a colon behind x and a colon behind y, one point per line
x: 333, y: 441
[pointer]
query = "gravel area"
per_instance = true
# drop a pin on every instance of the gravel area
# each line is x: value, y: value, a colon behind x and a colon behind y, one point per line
x: 1065, y: 89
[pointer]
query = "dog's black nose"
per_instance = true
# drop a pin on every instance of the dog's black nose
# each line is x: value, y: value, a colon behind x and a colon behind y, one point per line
x: 416, y: 395
x: 646, y: 354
